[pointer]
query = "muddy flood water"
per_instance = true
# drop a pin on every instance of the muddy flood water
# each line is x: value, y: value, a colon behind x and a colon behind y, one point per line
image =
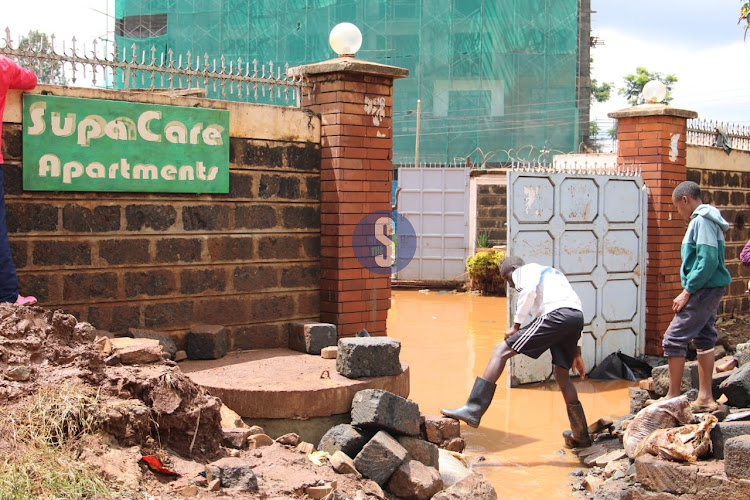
x: 447, y: 339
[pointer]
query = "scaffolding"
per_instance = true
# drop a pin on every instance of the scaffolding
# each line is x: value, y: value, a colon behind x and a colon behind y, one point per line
x: 499, y: 75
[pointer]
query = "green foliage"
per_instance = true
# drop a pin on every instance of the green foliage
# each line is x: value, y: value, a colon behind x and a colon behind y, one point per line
x: 634, y: 83
x: 744, y: 11
x: 46, y: 71
x: 484, y: 272
x: 601, y: 92
x: 483, y: 239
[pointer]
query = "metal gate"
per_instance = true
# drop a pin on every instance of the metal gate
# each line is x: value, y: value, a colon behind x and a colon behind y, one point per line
x: 593, y: 229
x: 436, y: 201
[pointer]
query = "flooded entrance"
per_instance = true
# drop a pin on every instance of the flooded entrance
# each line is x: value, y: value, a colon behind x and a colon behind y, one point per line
x: 447, y: 339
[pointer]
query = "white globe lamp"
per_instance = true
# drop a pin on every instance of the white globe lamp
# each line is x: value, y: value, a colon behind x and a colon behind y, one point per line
x: 654, y: 92
x: 345, y: 39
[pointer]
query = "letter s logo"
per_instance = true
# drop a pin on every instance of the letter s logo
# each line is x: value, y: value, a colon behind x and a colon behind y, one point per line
x: 382, y: 229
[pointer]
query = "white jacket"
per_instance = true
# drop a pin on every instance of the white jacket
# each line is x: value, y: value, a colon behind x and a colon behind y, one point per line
x: 541, y: 290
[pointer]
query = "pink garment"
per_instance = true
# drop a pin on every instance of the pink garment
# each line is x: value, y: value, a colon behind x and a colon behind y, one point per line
x: 745, y: 254
x: 12, y: 76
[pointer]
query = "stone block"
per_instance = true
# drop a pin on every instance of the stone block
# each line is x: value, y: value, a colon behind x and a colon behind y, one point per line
x: 665, y: 476
x: 380, y: 457
x: 311, y: 337
x: 638, y: 399
x: 737, y: 387
x: 360, y: 357
x: 737, y: 457
x: 345, y: 438
x: 255, y: 441
x: 421, y: 451
x: 725, y: 431
x: 415, y: 481
x: 233, y: 473
x: 454, y: 444
x: 136, y: 351
x: 167, y: 342
x: 207, y: 342
x: 379, y: 409
x: 438, y: 428
x: 742, y: 354
x: 343, y: 463
x: 472, y: 487
x: 329, y: 352
x: 660, y: 374
x: 235, y: 437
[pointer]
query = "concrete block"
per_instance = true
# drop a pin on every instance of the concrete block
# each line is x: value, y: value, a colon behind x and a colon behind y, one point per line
x: 737, y: 457
x: 167, y: 342
x: 379, y: 409
x: 421, y: 451
x: 311, y: 337
x: 665, y: 476
x: 472, y: 487
x: 414, y: 480
x: 330, y: 352
x: 360, y: 357
x: 234, y: 473
x: 437, y: 428
x: 737, y: 387
x: 345, y: 438
x: 724, y: 431
x: 235, y: 437
x: 207, y: 342
x: 380, y: 457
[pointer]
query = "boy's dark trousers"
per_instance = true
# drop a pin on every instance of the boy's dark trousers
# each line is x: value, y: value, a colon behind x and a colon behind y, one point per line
x: 8, y: 278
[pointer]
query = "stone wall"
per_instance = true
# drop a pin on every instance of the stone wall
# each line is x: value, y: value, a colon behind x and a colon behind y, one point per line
x: 725, y: 183
x: 492, y: 213
x: 249, y: 260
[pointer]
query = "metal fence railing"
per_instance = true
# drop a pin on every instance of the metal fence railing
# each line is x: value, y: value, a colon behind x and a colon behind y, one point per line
x: 127, y: 69
x: 718, y: 134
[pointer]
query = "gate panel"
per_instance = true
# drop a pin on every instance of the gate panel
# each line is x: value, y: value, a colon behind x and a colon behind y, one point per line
x: 592, y: 228
x: 436, y: 201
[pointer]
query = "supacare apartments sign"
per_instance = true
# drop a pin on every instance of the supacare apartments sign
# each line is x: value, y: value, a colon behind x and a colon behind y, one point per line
x: 72, y: 144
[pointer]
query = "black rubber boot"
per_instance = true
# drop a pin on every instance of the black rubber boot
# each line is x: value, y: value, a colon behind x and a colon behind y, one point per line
x: 578, y: 436
x: 479, y: 400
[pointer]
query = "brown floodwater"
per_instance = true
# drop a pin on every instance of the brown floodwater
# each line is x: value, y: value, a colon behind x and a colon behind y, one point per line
x: 447, y: 338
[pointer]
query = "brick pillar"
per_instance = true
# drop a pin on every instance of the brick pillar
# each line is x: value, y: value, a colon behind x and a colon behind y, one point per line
x: 355, y: 101
x: 653, y: 136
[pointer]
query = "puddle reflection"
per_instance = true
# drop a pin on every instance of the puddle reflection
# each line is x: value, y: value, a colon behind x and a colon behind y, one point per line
x: 447, y: 339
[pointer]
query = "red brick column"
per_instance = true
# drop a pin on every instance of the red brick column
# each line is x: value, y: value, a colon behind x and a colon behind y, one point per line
x: 355, y: 101
x: 653, y: 136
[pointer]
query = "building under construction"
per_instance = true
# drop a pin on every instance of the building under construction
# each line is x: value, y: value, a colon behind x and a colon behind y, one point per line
x: 510, y: 77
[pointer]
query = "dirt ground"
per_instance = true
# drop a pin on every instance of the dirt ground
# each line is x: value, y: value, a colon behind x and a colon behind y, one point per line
x: 733, y: 331
x: 62, y: 393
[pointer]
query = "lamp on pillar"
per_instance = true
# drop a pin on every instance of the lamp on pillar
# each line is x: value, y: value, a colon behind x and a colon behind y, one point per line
x: 345, y: 39
x: 654, y: 92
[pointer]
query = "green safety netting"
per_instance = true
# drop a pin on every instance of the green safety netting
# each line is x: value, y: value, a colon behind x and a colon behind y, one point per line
x: 498, y: 75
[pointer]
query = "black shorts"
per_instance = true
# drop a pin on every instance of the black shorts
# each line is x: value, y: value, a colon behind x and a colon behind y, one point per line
x: 557, y: 331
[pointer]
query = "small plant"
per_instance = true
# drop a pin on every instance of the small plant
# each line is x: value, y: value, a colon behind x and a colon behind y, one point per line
x: 483, y: 239
x: 484, y: 273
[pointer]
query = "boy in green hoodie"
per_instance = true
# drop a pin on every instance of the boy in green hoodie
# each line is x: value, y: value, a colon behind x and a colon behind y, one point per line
x: 704, y: 280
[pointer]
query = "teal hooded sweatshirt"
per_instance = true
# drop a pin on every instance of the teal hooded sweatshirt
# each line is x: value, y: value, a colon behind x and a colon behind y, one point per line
x: 703, y: 250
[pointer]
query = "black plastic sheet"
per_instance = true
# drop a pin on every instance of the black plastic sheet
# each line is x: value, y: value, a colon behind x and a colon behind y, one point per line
x: 621, y: 366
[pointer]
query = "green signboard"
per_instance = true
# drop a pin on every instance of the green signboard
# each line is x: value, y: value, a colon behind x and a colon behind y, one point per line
x: 72, y: 144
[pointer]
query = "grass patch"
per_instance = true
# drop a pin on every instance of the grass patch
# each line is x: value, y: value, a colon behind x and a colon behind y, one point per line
x: 41, y: 433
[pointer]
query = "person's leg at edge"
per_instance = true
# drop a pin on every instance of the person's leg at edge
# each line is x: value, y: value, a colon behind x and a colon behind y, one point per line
x: 484, y: 388
x: 8, y: 278
x: 676, y: 368
x: 705, y: 377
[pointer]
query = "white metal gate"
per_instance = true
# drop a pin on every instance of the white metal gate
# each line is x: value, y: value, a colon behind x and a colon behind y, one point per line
x: 436, y: 201
x: 593, y: 229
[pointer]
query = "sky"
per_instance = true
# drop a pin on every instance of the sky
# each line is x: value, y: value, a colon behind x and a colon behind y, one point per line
x: 699, y: 41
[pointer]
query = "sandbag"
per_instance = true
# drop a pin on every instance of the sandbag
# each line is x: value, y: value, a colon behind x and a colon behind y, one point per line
x: 681, y: 444
x: 659, y: 415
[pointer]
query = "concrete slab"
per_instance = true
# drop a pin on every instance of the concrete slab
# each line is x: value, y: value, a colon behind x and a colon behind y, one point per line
x: 281, y: 383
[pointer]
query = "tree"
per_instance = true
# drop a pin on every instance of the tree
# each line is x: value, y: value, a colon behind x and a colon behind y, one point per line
x: 600, y: 93
x: 634, y: 83
x: 47, y: 71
